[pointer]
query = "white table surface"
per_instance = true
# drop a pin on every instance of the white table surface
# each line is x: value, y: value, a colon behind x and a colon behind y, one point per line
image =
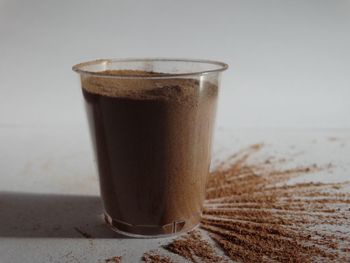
x: 49, y: 186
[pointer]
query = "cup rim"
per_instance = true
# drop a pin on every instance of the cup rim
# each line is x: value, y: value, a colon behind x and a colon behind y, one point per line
x: 81, y: 67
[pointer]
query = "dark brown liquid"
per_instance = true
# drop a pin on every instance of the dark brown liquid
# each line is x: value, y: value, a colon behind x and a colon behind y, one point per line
x: 153, y: 150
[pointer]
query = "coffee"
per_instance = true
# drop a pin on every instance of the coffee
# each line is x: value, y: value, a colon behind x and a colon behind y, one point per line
x: 152, y: 139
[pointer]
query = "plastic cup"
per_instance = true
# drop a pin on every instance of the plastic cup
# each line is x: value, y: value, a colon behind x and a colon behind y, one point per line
x: 151, y: 123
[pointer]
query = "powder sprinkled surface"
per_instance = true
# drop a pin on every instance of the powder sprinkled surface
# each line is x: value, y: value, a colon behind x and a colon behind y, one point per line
x: 18, y: 222
x: 116, y: 259
x: 254, y: 215
x: 154, y: 256
x: 194, y: 248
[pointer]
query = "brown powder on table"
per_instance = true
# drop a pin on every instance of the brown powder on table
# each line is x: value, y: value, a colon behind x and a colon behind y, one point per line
x: 194, y: 248
x: 254, y: 216
x: 116, y: 259
x: 154, y: 257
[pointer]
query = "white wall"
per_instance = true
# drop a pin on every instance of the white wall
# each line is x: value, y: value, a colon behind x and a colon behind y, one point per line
x: 289, y: 60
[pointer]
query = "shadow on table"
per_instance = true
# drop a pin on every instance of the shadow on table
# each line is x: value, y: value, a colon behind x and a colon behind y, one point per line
x: 46, y: 215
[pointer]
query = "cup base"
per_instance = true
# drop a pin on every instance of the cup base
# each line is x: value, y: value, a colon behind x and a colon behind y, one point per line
x: 139, y: 231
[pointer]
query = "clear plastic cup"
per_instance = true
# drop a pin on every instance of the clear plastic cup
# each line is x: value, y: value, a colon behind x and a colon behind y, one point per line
x: 151, y: 123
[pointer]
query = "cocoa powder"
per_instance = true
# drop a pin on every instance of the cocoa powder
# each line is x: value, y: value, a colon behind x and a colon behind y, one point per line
x: 194, y: 248
x: 254, y: 216
x: 116, y: 259
x: 155, y: 257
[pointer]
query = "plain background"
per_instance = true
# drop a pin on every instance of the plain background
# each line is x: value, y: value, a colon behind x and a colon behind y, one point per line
x: 289, y: 60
